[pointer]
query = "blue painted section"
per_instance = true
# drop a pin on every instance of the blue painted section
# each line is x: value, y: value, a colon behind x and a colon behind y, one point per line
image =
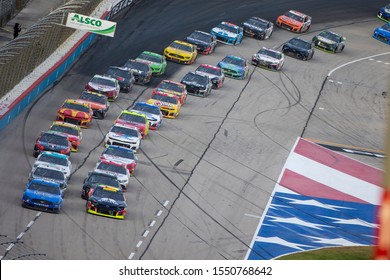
x: 324, y: 225
x: 47, y: 82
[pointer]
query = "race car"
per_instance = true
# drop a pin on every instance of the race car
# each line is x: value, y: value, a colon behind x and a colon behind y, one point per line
x: 124, y: 76
x: 205, y: 42
x: 120, y: 155
x: 268, y: 58
x: 299, y: 48
x: 228, y: 33
x: 72, y: 131
x: 97, y: 177
x: 115, y: 168
x: 181, y: 52
x: 141, y: 71
x: 98, y: 102
x: 156, y: 61
x: 329, y: 41
x: 42, y: 195
x: 172, y: 87
x: 384, y: 13
x: 50, y: 173
x: 75, y: 112
x: 197, y: 84
x: 234, y: 67
x: 137, y: 120
x: 52, y: 141
x: 169, y: 104
x: 57, y: 160
x: 215, y: 74
x: 107, y: 201
x: 382, y: 33
x: 152, y: 112
x: 124, y: 136
x: 105, y: 85
x: 258, y: 28
x: 294, y: 21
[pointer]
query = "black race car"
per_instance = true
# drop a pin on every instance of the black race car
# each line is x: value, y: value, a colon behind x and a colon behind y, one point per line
x: 107, y: 201
x: 95, y: 178
x: 141, y: 71
x: 197, y: 84
x: 299, y: 48
x: 205, y: 42
x: 52, y: 141
x: 329, y: 41
x: 258, y: 28
x: 123, y: 75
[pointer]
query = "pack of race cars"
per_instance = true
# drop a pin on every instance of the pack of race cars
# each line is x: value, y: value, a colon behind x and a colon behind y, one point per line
x: 104, y: 187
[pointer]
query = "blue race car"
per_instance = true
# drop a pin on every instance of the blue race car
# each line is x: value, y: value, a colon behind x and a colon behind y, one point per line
x: 382, y: 33
x: 384, y: 13
x: 228, y: 33
x: 42, y: 195
x: 234, y: 67
x: 151, y: 111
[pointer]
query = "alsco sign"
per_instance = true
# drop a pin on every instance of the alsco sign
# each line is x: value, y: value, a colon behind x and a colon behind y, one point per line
x: 95, y: 25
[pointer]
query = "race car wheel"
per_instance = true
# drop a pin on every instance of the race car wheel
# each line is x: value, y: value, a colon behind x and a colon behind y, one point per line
x: 270, y: 34
x: 342, y: 48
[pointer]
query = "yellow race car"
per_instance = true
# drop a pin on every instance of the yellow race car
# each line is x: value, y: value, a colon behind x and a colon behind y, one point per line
x: 169, y: 104
x: 75, y: 112
x: 181, y: 52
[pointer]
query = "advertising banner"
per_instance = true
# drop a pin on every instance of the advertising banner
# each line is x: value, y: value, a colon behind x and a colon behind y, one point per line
x: 95, y: 25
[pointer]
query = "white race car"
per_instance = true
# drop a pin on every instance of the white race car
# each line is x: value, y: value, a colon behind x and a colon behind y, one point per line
x: 268, y: 58
x: 105, y: 85
x: 115, y: 168
x: 125, y: 136
x: 56, y: 160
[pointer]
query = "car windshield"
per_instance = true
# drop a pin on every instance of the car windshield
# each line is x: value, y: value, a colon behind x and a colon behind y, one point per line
x: 135, y: 65
x: 55, y: 139
x: 386, y: 27
x: 165, y: 98
x: 104, y: 193
x: 300, y: 43
x: 201, y: 36
x: 124, y: 130
x: 35, y: 186
x: 294, y: 16
x: 75, y: 106
x: 258, y: 23
x: 329, y: 35
x: 270, y: 53
x: 65, y: 129
x: 235, y: 61
x: 182, y: 47
x: 123, y: 153
x: 103, y: 179
x: 117, y: 72
x: 194, y: 78
x: 228, y: 28
x: 170, y: 86
x: 112, y: 167
x: 98, y: 98
x: 210, y: 70
x: 132, y: 118
x: 53, y: 159
x: 147, y: 108
x: 103, y: 81
x: 48, y: 173
x: 150, y: 57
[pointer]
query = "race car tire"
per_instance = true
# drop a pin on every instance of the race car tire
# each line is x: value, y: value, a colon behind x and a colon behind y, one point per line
x: 342, y: 48
x: 270, y: 34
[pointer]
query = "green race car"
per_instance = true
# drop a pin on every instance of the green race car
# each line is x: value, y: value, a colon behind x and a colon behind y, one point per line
x: 156, y: 62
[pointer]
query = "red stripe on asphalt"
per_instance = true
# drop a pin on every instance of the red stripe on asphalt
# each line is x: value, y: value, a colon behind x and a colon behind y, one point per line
x: 308, y: 187
x: 339, y: 162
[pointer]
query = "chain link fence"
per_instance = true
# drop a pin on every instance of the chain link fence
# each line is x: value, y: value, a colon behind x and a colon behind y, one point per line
x: 22, y: 55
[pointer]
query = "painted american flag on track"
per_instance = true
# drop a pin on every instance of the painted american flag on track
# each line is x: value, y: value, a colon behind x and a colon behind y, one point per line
x: 322, y: 199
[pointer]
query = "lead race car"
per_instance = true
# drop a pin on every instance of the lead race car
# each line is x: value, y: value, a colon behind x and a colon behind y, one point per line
x: 268, y: 58
x: 228, y: 33
x: 382, y: 33
x: 384, y: 13
x: 294, y: 21
x: 258, y: 28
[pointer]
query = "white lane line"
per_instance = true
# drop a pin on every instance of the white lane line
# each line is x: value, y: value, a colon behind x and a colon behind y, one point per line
x: 253, y: 216
x: 20, y: 235
x: 10, y: 246
x: 331, y: 81
x: 146, y: 232
x: 152, y: 223
x: 340, y: 83
x: 131, y: 256
x: 354, y: 61
x: 379, y: 61
x: 166, y: 202
x: 30, y: 224
x: 139, y: 244
x: 38, y: 214
x: 159, y: 212
x: 371, y: 59
x: 387, y: 63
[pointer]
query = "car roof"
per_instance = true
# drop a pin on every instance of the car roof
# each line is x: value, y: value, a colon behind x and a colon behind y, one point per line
x: 45, y: 182
x: 118, y: 148
x: 104, y: 77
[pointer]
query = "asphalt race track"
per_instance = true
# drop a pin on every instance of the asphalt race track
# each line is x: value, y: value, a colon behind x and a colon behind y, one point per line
x: 204, y: 179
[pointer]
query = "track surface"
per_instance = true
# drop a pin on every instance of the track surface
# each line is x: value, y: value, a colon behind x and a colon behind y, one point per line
x: 204, y: 179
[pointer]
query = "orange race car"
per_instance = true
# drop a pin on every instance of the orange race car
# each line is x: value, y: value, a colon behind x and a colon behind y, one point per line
x: 75, y: 112
x: 294, y: 21
x: 172, y: 87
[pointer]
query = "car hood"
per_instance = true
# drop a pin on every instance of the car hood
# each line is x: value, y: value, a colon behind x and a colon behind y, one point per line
x: 162, y: 103
x: 290, y: 20
x: 224, y: 32
x: 73, y: 113
x: 121, y: 136
x: 382, y: 31
x: 117, y: 159
x: 43, y: 195
x: 195, y: 84
x: 52, y: 146
x: 326, y: 40
x: 267, y: 58
x: 253, y: 27
x: 229, y: 66
x: 94, y: 105
x: 197, y: 42
x: 177, y: 51
x: 120, y: 176
x: 108, y: 201
x: 101, y: 87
